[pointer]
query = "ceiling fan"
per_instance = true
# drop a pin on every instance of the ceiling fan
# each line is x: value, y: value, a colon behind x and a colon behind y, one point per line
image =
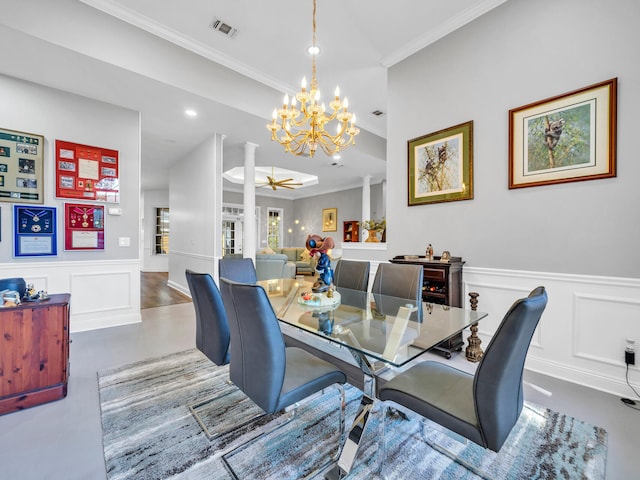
x: 274, y: 184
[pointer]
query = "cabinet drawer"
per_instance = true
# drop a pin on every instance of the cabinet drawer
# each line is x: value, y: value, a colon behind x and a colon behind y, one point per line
x: 434, y: 274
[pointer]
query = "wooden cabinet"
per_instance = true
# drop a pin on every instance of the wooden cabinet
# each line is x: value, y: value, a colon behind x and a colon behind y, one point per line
x: 351, y: 231
x: 442, y: 284
x: 34, y: 353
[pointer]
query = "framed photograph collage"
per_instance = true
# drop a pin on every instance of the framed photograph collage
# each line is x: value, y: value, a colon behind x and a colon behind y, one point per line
x: 21, y: 167
x: 82, y: 173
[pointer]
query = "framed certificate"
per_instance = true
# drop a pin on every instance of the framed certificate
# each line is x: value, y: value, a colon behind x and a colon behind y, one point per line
x: 83, y: 226
x: 34, y: 231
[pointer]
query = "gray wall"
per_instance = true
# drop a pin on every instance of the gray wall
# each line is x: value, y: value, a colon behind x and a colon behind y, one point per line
x: 517, y: 54
x: 349, y: 205
x: 308, y: 212
x: 58, y: 115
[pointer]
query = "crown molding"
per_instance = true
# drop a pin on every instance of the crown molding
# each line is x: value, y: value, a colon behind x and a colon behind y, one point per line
x: 132, y: 17
x: 446, y: 28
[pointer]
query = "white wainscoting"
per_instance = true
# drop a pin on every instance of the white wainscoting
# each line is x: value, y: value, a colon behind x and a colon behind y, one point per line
x: 179, y: 262
x: 582, y: 335
x: 103, y: 293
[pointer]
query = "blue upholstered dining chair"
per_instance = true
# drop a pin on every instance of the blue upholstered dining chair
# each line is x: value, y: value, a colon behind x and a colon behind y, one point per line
x: 351, y: 279
x: 352, y: 274
x: 269, y: 373
x: 394, y: 281
x: 482, y: 407
x: 212, y: 338
x: 237, y: 269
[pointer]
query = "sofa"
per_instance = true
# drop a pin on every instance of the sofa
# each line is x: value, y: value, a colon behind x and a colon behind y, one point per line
x: 304, y: 263
x: 276, y: 265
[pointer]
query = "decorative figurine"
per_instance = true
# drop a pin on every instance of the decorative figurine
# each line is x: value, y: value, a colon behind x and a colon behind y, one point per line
x: 446, y: 256
x: 317, y: 244
x: 429, y: 253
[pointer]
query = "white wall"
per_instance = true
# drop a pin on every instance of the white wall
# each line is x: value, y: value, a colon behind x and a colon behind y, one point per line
x: 104, y: 285
x: 195, y: 203
x: 152, y: 199
x: 579, y: 239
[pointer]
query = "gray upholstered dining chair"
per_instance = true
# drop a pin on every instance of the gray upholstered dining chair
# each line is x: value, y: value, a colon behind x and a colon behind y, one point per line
x: 352, y: 274
x: 212, y: 339
x: 269, y: 373
x: 237, y: 269
x: 394, y: 281
x: 482, y: 407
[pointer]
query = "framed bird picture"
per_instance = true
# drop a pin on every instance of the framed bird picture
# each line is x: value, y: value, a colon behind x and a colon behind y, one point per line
x: 567, y: 138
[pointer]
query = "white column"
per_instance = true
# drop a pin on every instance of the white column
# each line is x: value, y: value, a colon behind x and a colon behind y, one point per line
x: 218, y: 159
x: 250, y: 239
x: 366, y: 203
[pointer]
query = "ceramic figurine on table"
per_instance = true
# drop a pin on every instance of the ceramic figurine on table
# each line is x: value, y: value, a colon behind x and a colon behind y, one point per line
x: 317, y: 244
x: 429, y: 253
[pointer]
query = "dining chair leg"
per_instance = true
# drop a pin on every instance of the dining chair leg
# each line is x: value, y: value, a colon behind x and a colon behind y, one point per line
x: 332, y: 459
x: 451, y: 455
x: 382, y: 447
x: 195, y: 407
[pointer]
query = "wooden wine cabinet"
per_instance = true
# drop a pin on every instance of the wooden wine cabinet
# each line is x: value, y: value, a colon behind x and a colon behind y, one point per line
x: 34, y: 353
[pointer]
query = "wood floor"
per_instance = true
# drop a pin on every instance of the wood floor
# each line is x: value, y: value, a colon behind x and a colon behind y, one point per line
x: 154, y: 291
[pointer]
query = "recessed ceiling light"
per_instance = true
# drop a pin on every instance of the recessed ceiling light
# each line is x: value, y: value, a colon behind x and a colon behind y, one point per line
x: 313, y: 50
x: 190, y: 113
x: 337, y: 156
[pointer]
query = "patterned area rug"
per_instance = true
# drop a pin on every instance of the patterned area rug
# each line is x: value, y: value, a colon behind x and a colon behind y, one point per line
x: 149, y: 433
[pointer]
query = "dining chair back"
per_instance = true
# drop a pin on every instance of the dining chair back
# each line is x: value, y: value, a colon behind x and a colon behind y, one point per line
x: 351, y: 274
x: 237, y: 269
x: 396, y: 281
x: 212, y: 327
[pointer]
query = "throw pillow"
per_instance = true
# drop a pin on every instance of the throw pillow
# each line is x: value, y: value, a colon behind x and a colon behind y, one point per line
x: 267, y: 251
x: 305, y: 255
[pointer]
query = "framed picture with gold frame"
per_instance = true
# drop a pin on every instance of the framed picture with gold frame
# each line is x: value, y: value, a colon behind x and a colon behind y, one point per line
x: 441, y: 166
x: 329, y: 219
x: 566, y: 138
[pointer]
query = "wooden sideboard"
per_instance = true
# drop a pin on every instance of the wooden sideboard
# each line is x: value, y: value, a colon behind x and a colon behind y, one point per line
x: 442, y: 284
x: 34, y: 353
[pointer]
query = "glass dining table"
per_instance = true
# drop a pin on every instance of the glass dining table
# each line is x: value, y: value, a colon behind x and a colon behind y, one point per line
x: 378, y: 331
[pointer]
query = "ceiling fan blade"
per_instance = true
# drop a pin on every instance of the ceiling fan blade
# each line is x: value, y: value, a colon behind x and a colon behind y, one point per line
x: 273, y: 187
x: 285, y: 180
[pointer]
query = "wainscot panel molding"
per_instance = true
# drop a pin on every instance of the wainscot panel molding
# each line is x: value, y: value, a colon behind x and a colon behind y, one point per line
x: 180, y: 261
x: 103, y: 293
x: 582, y: 335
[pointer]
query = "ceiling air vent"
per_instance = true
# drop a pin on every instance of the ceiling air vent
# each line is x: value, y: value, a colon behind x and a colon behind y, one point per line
x: 377, y: 113
x: 224, y: 28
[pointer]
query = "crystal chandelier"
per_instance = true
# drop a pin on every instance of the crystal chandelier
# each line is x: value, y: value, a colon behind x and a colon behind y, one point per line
x: 299, y: 130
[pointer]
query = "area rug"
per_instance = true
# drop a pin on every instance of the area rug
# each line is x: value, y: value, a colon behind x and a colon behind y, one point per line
x: 149, y: 433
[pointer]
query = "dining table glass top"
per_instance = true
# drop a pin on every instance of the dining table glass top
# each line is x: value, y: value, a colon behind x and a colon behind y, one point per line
x: 389, y: 329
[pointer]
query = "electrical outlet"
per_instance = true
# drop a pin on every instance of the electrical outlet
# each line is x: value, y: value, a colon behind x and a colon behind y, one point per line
x: 630, y: 352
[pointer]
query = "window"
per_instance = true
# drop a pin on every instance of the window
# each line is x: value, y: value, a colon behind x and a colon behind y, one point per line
x: 162, y: 231
x: 274, y: 227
